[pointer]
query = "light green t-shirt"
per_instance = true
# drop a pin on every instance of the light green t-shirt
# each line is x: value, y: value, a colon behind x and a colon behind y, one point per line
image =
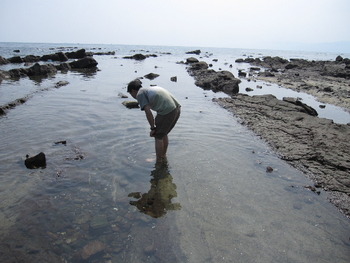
x: 159, y: 99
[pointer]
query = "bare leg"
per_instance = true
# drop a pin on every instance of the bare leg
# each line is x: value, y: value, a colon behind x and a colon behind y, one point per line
x: 165, y: 144
x: 159, y: 149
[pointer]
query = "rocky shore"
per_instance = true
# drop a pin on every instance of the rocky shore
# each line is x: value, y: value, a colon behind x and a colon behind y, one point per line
x: 316, y: 146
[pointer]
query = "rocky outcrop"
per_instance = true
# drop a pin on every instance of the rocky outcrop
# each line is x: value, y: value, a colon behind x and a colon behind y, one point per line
x: 210, y: 79
x: 317, y: 146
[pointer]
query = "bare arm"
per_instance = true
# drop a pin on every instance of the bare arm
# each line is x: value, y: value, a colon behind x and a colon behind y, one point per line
x: 149, y: 115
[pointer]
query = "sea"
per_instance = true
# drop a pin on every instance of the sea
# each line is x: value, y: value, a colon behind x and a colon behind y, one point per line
x: 102, y: 197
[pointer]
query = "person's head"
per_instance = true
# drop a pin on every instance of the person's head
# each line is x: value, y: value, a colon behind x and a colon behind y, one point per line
x: 134, y: 86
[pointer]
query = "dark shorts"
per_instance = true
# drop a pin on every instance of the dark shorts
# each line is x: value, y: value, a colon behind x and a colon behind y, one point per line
x: 165, y: 123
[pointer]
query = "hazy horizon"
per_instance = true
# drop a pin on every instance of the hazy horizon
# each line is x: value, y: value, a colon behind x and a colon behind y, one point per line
x: 319, y: 26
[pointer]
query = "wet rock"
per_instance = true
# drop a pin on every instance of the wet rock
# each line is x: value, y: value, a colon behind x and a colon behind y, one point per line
x: 136, y: 57
x: 173, y: 79
x: 211, y: 80
x: 151, y: 76
x: 197, y: 52
x: 308, y: 109
x: 61, y: 84
x: 131, y: 104
x: 3, y: 61
x: 269, y: 169
x: 191, y: 60
x: 81, y: 53
x: 316, y: 146
x: 16, y: 59
x: 37, y: 161
x: 92, y: 248
x: 87, y: 62
x: 242, y: 73
x: 41, y: 70
x: 60, y: 56
x: 31, y: 59
x: 249, y: 89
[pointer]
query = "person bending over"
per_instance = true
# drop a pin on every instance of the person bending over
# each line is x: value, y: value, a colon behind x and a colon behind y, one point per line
x: 168, y: 110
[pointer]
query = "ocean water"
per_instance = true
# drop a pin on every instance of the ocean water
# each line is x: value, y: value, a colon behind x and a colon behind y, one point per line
x: 101, y: 199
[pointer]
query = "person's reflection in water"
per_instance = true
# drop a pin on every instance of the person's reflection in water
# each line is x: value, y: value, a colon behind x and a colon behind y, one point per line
x: 157, y: 201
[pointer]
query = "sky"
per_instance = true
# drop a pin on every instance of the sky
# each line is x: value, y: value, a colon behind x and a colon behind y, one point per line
x: 317, y: 25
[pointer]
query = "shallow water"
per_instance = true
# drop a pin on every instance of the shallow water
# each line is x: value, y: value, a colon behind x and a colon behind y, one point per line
x: 213, y: 202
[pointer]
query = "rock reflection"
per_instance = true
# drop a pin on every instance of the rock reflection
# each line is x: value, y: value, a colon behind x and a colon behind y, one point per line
x: 157, y: 201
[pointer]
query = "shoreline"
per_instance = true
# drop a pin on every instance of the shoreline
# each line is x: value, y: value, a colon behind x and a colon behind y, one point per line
x: 318, y: 147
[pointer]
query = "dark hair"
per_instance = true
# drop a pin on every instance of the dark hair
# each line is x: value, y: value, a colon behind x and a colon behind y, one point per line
x: 134, y: 85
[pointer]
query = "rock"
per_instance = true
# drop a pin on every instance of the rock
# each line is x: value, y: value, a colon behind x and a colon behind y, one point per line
x: 55, y: 57
x: 17, y: 73
x: 92, y: 248
x: 173, y: 79
x: 16, y: 59
x: 136, y: 57
x: 197, y: 52
x: 81, y: 53
x: 87, y: 62
x: 212, y: 80
x: 3, y: 61
x: 306, y: 108
x: 131, y: 104
x: 151, y: 76
x: 37, y: 161
x: 339, y: 59
x: 31, y: 59
x: 269, y: 169
x: 191, y: 60
x: 249, y: 89
x: 41, y: 70
x: 61, y: 84
x: 242, y: 74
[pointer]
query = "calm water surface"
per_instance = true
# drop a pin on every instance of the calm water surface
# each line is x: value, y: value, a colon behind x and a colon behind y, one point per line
x: 212, y: 202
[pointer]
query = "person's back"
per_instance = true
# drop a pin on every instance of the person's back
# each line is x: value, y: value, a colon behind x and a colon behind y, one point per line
x: 159, y: 99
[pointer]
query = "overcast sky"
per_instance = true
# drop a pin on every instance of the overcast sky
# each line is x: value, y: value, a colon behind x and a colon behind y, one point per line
x: 268, y: 24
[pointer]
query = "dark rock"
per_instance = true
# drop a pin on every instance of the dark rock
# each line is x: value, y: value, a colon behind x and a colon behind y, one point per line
x: 212, y: 80
x: 31, y: 59
x: 291, y: 66
x: 136, y: 57
x: 339, y: 59
x: 151, y: 76
x: 87, y: 62
x: 248, y: 89
x: 81, y: 53
x: 3, y: 61
x: 269, y: 169
x: 306, y: 108
x: 37, y: 161
x: 197, y: 52
x: 16, y: 59
x: 191, y: 60
x: 173, y: 79
x: 64, y: 67
x: 16, y: 51
x: 41, y: 70
x: 242, y: 74
x: 16, y: 73
x: 60, y: 56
